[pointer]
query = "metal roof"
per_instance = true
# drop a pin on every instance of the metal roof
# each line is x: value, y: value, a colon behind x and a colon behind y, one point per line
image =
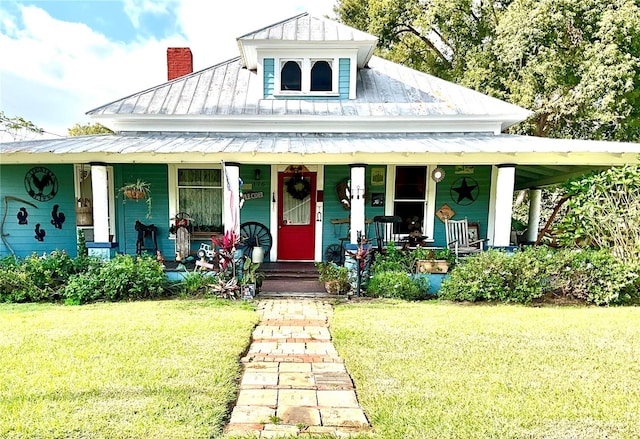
x: 251, y: 144
x: 384, y: 89
x: 305, y: 30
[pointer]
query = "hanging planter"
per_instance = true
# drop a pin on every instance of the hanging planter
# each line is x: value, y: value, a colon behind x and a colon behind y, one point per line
x: 140, y: 190
x: 134, y: 194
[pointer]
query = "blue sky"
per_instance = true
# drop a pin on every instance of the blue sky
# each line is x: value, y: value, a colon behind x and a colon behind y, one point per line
x: 61, y: 59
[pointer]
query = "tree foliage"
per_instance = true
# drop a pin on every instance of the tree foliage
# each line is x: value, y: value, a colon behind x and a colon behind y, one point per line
x: 88, y: 129
x: 604, y: 212
x: 17, y: 127
x: 575, y: 63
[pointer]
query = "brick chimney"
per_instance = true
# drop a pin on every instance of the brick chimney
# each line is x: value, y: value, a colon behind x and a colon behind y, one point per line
x: 179, y: 62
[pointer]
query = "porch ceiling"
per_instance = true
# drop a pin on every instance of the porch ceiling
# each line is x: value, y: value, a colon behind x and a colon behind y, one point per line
x: 528, y: 176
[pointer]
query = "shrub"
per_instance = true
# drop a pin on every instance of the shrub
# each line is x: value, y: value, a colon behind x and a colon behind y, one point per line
x: 589, y: 275
x: 195, y: 284
x: 391, y: 260
x: 594, y: 276
x: 394, y: 284
x: 122, y: 278
x: 37, y: 278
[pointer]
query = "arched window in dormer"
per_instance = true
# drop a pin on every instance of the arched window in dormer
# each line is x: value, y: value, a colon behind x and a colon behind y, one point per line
x: 321, y: 76
x: 291, y: 76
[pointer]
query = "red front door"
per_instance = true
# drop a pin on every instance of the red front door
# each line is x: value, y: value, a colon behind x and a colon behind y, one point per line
x: 296, y: 216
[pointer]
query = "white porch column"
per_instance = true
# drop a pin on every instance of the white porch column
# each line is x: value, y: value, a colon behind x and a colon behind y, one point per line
x: 535, y: 205
x: 357, y: 201
x: 231, y: 208
x: 100, y: 192
x: 504, y: 204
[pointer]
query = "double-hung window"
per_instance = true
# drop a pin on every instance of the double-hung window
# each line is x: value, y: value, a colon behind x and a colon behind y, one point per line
x: 200, y: 194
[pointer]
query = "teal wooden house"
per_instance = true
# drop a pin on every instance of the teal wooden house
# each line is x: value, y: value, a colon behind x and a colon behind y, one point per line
x: 300, y: 142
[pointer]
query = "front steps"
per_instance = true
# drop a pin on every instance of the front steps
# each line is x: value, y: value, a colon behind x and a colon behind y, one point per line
x: 291, y: 279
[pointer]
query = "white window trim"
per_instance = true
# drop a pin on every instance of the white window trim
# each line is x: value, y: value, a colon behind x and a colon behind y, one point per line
x: 77, y: 170
x: 430, y: 206
x: 172, y: 181
x: 305, y: 65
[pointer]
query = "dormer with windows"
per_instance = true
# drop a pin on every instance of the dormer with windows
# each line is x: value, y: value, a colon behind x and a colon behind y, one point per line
x: 307, y: 57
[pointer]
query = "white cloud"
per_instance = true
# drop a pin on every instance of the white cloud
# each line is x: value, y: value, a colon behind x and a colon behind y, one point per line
x: 136, y: 8
x: 60, y: 69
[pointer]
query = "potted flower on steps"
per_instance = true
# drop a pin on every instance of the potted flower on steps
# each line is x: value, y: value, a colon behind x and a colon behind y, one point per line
x: 335, y: 277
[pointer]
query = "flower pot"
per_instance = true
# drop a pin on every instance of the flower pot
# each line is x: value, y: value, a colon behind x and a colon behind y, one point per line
x: 432, y: 266
x: 134, y: 194
x: 332, y: 286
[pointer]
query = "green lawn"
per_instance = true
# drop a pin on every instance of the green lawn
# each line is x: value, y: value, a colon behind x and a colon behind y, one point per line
x: 440, y: 370
x: 169, y: 369
x: 161, y: 369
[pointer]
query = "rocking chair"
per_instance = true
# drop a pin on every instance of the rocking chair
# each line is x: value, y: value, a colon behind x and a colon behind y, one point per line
x: 457, y: 234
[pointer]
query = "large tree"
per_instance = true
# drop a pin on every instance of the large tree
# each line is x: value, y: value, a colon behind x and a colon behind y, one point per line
x: 88, y: 129
x: 575, y: 63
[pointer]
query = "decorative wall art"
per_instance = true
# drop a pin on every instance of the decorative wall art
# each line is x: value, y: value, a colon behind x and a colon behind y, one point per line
x: 377, y: 176
x: 445, y: 212
x: 464, y: 191
x: 377, y: 199
x: 39, y: 233
x: 464, y: 169
x: 41, y: 184
x: 22, y: 216
x: 58, y: 217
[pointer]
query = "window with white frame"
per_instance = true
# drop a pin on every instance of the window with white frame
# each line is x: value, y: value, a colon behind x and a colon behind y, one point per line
x: 304, y: 76
x: 291, y: 76
x: 200, y: 195
x: 410, y: 197
x: 321, y: 76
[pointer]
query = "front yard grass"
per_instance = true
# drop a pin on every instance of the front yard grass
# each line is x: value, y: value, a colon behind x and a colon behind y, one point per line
x: 157, y: 369
x: 442, y: 370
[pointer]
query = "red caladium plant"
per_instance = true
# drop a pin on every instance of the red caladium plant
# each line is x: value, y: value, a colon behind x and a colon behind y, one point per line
x: 226, y: 246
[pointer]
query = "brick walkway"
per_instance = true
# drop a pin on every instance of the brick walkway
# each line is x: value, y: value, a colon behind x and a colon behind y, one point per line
x: 294, y: 382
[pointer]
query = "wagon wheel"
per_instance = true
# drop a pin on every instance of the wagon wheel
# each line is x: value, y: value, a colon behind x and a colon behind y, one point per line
x: 333, y: 253
x: 253, y: 234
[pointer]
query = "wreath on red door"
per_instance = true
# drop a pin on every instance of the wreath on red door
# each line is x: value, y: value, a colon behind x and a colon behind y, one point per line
x: 299, y: 188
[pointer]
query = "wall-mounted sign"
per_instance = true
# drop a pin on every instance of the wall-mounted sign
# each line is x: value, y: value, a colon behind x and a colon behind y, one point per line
x: 41, y: 184
x: 253, y: 195
x: 377, y: 176
x: 463, y: 169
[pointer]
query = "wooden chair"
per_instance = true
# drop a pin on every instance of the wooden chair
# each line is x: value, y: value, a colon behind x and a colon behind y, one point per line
x: 385, y: 227
x: 457, y: 235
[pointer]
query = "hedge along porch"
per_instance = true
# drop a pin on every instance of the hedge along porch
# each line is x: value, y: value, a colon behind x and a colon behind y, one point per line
x: 304, y: 98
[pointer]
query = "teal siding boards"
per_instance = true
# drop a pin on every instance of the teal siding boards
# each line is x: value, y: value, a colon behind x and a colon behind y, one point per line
x: 257, y: 202
x: 331, y: 233
x: 269, y: 77
x: 344, y: 74
x: 22, y: 237
x: 476, y: 211
x: 128, y: 212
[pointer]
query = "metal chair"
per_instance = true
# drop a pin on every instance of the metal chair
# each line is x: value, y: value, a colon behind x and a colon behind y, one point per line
x: 457, y: 235
x: 386, y: 230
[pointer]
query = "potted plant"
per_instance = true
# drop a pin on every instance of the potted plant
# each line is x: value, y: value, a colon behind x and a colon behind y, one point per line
x: 433, y: 260
x: 137, y: 191
x: 335, y: 277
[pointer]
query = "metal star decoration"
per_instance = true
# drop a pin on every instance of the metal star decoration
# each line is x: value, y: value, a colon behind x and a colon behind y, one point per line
x: 467, y: 190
